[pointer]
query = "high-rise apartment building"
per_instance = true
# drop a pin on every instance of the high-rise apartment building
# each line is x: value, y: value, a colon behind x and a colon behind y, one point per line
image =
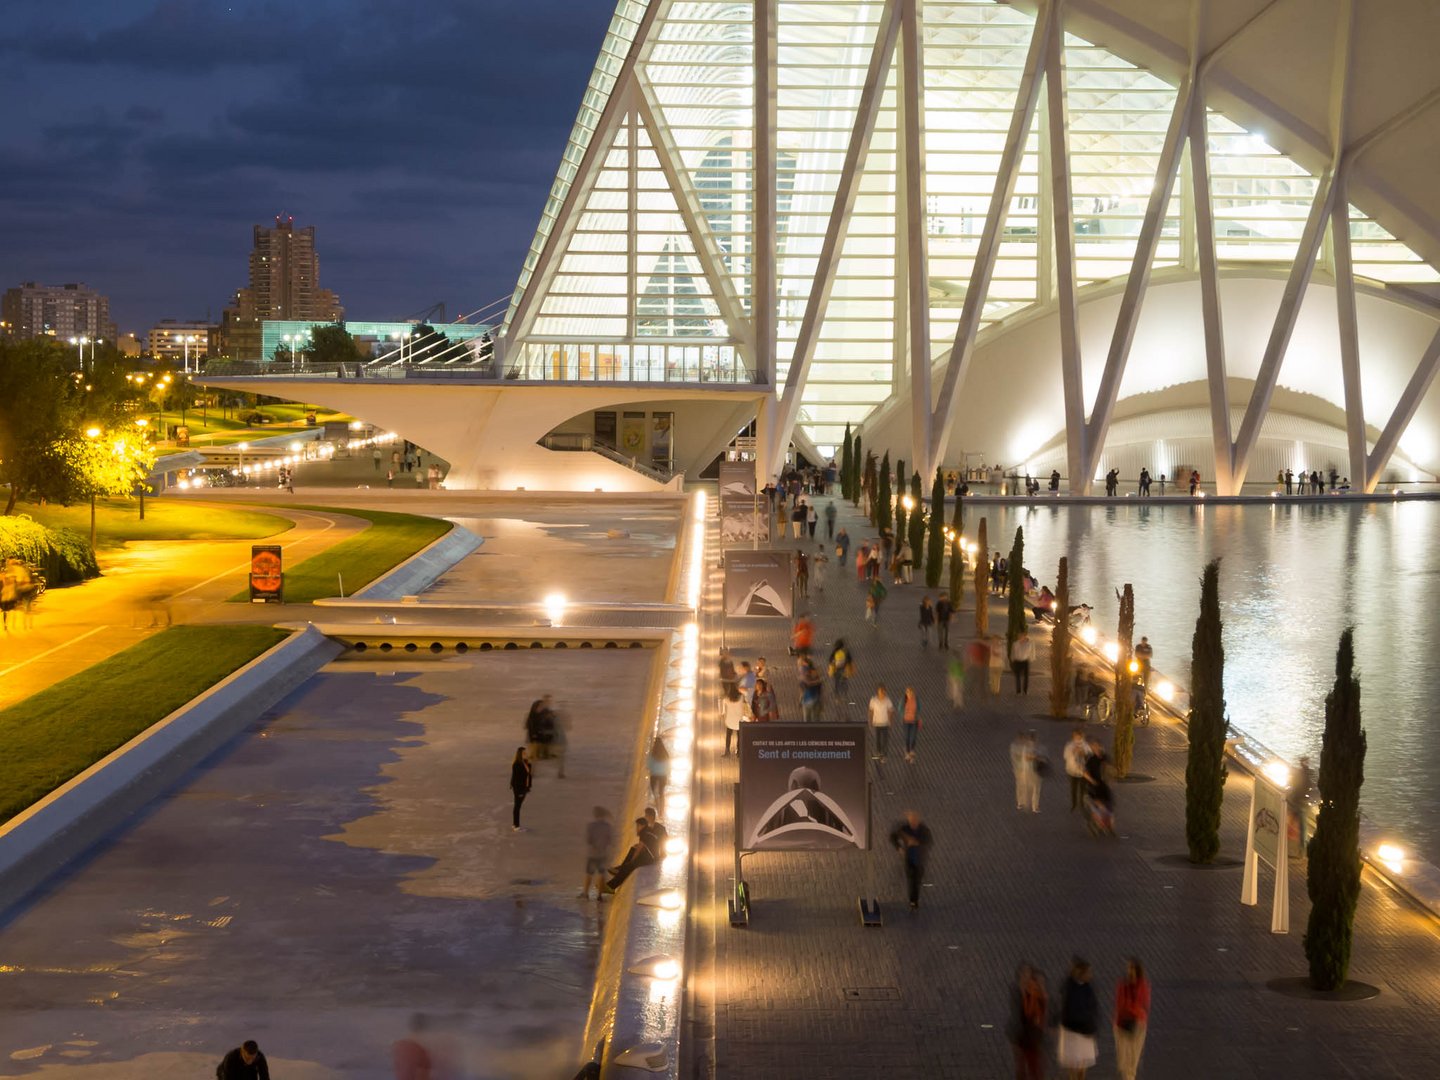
x: 284, y: 284
x: 61, y: 311
x: 171, y: 339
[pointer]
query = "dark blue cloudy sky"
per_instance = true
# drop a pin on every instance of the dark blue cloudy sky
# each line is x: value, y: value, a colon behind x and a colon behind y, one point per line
x: 144, y: 138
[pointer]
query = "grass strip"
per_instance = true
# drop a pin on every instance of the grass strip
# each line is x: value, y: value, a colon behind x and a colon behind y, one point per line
x: 55, y: 735
x: 118, y: 521
x: 390, y: 540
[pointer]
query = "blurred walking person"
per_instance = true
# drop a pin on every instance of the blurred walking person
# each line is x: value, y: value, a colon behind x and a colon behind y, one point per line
x: 944, y: 611
x: 997, y: 665
x: 1076, y: 751
x: 410, y: 1056
x: 659, y: 765
x: 599, y: 839
x: 1076, y: 1049
x: 955, y: 682
x: 812, y: 690
x: 764, y: 707
x: 521, y: 774
x: 841, y: 668
x: 1029, y: 1009
x: 882, y: 713
x: 910, y: 723
x: 1025, y: 764
x: 734, y: 711
x: 1132, y: 1014
x: 912, y: 839
x: 1020, y: 653
x: 927, y: 620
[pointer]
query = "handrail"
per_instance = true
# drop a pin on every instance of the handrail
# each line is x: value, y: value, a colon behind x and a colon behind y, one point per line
x: 659, y: 475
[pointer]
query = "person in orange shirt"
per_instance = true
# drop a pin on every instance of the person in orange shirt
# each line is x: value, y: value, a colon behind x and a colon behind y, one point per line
x: 1132, y: 1014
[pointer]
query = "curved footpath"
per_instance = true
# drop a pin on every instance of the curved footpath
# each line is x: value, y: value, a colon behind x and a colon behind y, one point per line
x: 806, y: 991
x: 141, y: 586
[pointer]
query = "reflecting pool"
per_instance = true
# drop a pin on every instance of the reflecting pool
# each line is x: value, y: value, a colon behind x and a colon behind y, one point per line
x: 1292, y: 577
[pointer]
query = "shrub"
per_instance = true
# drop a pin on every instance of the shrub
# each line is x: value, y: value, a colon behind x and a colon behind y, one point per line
x: 62, y: 555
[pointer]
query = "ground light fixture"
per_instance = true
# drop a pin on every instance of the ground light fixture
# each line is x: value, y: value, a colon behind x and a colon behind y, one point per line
x: 907, y: 501
x: 555, y: 608
x: 668, y: 899
x: 1088, y: 635
x: 1392, y: 856
x: 1165, y: 691
x: 662, y: 968
x: 1111, y: 651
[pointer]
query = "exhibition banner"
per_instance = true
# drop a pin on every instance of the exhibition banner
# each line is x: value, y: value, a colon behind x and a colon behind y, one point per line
x: 267, y: 574
x: 1269, y: 814
x: 803, y: 787
x: 757, y: 584
x: 737, y: 478
x: 744, y: 520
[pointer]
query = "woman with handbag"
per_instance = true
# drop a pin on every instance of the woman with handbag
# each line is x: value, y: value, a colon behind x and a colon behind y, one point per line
x: 1132, y: 1013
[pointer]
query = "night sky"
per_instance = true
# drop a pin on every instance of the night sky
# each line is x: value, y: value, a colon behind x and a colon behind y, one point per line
x: 142, y: 141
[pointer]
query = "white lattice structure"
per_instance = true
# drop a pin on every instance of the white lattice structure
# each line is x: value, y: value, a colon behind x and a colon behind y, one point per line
x: 853, y: 203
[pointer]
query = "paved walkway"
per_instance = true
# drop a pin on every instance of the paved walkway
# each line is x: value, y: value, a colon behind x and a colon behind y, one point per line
x: 1005, y: 887
x: 142, y: 584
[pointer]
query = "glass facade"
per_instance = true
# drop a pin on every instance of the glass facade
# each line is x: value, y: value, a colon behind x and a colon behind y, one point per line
x: 652, y: 278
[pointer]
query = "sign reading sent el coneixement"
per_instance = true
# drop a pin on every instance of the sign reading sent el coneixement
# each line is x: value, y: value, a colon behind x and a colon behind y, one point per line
x: 757, y: 583
x: 803, y: 787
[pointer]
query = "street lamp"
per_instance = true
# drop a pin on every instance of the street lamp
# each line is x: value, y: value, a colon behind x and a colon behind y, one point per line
x: 294, y: 341
x: 186, y: 340
x: 92, y: 433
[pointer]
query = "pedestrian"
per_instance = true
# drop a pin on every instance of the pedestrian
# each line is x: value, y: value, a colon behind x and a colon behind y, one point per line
x: 659, y: 765
x: 910, y: 723
x: 997, y: 665
x: 746, y: 681
x: 812, y: 690
x: 1299, y: 801
x: 841, y: 667
x: 521, y: 774
x: 830, y: 513
x: 1099, y: 796
x: 927, y: 620
x: 410, y: 1056
x: 375, y: 457
x: 912, y: 839
x: 1076, y: 750
x: 1029, y: 1012
x: 1132, y: 1015
x: 1024, y: 763
x: 643, y: 852
x: 599, y: 838
x: 245, y: 1062
x: 842, y: 548
x: 728, y: 676
x: 944, y: 611
x: 390, y: 478
x: 802, y: 575
x: 955, y: 682
x: 1145, y: 656
x: 732, y: 709
x: 764, y: 708
x: 812, y: 518
x: 1020, y: 653
x: 905, y: 562
x: 876, y: 597
x: 882, y: 712
x: 1076, y: 1049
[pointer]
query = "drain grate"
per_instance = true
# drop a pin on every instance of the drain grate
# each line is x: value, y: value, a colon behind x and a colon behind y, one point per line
x: 872, y: 993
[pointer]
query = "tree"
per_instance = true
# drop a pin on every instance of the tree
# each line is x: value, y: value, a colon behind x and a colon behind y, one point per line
x: 1060, y: 645
x: 884, y: 508
x: 1123, y: 750
x: 1205, y: 763
x: 332, y: 344
x: 42, y: 403
x: 982, y: 584
x: 426, y: 343
x: 872, y: 492
x: 1333, y: 876
x: 957, y: 516
x: 935, y: 549
x: 916, y: 534
x: 107, y: 463
x: 860, y: 479
x: 901, y: 514
x: 1015, y: 626
x: 847, y: 449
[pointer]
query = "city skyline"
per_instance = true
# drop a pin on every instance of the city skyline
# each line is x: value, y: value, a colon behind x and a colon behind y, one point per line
x: 424, y: 179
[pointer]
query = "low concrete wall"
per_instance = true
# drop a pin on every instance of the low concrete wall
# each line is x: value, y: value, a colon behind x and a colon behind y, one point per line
x: 424, y: 568
x: 38, y: 843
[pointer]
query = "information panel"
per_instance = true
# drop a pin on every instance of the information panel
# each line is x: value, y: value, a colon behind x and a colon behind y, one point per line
x: 267, y: 574
x: 757, y: 584
x: 803, y: 787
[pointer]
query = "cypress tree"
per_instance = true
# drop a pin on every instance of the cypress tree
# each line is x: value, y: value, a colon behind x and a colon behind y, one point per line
x: 982, y: 584
x: 847, y: 448
x: 1015, y: 627
x: 871, y: 486
x: 885, y: 504
x: 1333, y: 876
x: 861, y: 465
x: 1060, y: 645
x: 957, y: 516
x: 1123, y: 750
x: 916, y: 535
x: 935, y: 549
x: 1205, y: 763
x: 900, y: 512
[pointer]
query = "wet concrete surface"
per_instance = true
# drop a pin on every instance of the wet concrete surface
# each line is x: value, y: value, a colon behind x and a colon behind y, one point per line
x: 346, y: 863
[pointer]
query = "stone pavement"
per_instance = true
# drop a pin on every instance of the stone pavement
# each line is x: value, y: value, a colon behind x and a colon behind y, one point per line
x: 771, y: 1001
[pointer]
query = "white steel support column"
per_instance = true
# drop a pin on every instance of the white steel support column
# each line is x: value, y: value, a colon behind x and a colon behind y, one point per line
x: 707, y: 253
x: 845, y: 192
x: 1063, y: 213
x: 1208, y: 265
x: 632, y: 220
x: 763, y: 239
x: 911, y: 161
x: 1349, y: 332
x: 1414, y: 393
x: 1138, y: 280
x: 1021, y: 118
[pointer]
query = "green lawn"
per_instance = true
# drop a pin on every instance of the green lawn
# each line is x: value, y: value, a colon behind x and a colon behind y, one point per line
x: 60, y: 732
x: 118, y: 520
x: 389, y: 541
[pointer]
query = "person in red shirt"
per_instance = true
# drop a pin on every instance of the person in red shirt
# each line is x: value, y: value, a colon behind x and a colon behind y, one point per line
x: 411, y: 1059
x: 1132, y: 1013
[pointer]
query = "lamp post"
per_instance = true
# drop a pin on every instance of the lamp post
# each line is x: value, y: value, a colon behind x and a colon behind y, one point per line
x: 92, y: 433
x: 142, y: 424
x: 186, y: 340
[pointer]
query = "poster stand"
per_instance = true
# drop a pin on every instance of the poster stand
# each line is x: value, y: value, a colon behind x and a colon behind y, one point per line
x: 1267, y: 838
x: 869, y: 904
